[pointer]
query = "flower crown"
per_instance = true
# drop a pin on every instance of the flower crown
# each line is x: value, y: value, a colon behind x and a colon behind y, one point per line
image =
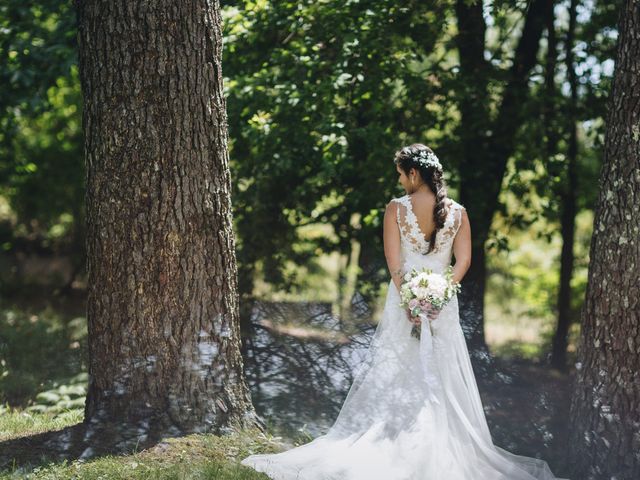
x: 428, y: 159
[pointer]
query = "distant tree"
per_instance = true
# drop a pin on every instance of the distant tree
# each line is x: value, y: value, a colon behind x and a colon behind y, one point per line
x: 488, y: 139
x: 41, y: 174
x: 568, y: 199
x: 558, y: 156
x: 605, y: 408
x: 320, y: 96
x: 162, y: 279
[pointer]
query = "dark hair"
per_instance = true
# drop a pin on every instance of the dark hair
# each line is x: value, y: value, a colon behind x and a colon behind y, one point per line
x: 406, y: 159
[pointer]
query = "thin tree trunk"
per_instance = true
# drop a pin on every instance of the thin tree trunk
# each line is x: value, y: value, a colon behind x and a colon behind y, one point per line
x: 568, y: 202
x: 487, y: 145
x: 162, y: 306
x: 474, y: 108
x: 350, y: 272
x: 605, y: 409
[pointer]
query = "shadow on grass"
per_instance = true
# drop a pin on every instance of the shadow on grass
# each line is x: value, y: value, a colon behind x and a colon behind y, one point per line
x: 28, y: 452
x: 70, y: 443
x: 187, y: 456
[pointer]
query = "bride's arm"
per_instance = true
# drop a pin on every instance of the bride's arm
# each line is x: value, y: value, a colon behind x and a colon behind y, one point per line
x: 462, y: 248
x: 391, y: 240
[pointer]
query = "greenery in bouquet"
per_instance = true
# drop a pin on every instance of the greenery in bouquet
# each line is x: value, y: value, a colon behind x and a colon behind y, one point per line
x: 424, y: 289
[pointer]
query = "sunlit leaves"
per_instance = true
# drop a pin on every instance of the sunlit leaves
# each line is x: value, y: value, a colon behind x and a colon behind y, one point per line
x: 318, y: 96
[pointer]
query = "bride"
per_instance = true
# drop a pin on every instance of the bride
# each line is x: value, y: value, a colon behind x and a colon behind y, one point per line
x: 413, y: 411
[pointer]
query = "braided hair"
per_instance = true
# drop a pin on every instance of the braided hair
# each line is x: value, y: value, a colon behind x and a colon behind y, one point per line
x: 410, y: 157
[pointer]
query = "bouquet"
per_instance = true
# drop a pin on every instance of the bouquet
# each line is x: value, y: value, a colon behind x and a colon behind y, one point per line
x: 423, y: 288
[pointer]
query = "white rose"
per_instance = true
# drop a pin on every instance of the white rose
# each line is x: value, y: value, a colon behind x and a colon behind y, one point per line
x: 421, y: 292
x: 438, y: 286
x: 424, y: 276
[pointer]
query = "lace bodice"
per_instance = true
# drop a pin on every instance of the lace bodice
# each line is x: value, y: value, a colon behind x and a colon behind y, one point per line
x: 414, y: 245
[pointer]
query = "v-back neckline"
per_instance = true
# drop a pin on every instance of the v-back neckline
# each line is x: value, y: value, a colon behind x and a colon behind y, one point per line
x: 415, y: 218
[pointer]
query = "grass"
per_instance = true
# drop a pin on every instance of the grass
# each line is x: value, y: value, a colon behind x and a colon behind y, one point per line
x: 17, y: 423
x: 196, y: 456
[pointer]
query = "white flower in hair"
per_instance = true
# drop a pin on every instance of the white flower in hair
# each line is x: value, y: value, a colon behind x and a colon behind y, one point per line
x: 428, y: 159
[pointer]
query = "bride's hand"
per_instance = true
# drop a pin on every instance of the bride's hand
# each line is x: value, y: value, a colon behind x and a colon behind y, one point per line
x: 413, y: 319
x: 432, y: 312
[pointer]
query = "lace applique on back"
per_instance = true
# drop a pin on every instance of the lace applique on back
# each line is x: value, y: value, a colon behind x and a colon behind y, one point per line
x: 411, y: 235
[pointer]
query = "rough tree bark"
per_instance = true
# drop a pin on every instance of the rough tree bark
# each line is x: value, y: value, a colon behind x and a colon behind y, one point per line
x: 605, y: 408
x: 162, y: 302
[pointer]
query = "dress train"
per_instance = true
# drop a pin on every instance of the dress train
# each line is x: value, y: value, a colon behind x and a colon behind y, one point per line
x: 405, y: 418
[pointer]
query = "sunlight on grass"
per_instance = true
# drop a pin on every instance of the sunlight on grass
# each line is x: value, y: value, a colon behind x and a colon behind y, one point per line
x: 194, y: 456
x: 16, y: 422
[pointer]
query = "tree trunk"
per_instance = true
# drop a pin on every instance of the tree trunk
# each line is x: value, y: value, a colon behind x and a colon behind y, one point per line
x: 162, y: 306
x: 568, y: 202
x: 472, y: 310
x: 349, y: 274
x: 605, y: 408
x: 486, y: 144
x: 474, y: 109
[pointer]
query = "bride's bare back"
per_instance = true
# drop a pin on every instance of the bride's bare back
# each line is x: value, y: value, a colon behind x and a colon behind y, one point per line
x: 422, y: 205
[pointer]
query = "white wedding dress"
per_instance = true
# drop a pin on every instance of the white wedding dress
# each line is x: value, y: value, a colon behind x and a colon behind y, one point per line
x: 413, y: 411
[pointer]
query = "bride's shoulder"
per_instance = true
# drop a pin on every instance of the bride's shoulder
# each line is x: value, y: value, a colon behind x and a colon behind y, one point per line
x: 455, y: 205
x: 395, y: 200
